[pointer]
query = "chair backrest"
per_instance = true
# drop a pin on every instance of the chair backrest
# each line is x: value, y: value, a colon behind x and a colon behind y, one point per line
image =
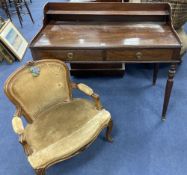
x: 36, y: 93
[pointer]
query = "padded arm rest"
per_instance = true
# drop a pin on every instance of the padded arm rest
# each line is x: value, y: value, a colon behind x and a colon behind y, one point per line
x: 17, y: 122
x: 17, y: 125
x: 88, y: 91
x: 19, y: 129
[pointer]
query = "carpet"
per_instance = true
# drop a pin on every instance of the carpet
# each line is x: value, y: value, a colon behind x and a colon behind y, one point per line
x: 143, y: 145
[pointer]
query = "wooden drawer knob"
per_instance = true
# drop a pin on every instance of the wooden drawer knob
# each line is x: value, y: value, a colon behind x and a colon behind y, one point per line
x: 70, y: 55
x: 139, y: 55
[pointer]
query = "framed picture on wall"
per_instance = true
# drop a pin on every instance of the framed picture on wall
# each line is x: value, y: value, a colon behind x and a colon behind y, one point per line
x: 13, y: 40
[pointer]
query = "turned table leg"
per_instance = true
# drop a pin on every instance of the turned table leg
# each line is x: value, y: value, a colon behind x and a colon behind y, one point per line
x: 155, y: 72
x: 168, y: 89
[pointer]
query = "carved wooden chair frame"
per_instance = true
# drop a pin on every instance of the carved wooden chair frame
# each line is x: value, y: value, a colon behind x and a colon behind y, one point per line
x: 17, y: 122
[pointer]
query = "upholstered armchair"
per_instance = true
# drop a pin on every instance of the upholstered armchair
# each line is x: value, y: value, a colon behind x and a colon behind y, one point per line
x: 59, y: 126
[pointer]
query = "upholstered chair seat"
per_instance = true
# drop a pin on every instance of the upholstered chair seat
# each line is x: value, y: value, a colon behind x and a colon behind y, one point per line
x: 64, y: 129
x: 59, y: 126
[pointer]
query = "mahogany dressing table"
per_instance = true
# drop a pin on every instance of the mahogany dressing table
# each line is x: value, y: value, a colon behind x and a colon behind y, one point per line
x: 95, y: 33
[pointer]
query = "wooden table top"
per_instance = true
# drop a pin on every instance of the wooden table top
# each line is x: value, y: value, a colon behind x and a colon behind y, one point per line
x: 106, y: 35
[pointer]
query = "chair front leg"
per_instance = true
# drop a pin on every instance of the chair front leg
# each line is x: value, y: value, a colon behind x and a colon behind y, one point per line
x: 109, y: 130
x: 40, y: 171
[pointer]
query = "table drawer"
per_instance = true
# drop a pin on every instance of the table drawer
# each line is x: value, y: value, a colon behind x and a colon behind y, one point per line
x: 69, y: 55
x: 139, y: 55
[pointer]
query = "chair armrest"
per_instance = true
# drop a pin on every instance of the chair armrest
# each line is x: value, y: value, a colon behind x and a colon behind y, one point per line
x: 17, y: 125
x: 88, y: 91
x: 17, y: 122
x: 18, y: 128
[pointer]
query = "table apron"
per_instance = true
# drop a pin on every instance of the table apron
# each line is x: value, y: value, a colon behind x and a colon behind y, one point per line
x: 112, y: 55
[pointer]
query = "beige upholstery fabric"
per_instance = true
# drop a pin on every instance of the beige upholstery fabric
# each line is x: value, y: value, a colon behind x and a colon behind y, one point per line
x: 63, y: 129
x: 17, y: 125
x: 35, y: 93
x: 87, y: 90
x: 59, y: 126
x: 183, y: 37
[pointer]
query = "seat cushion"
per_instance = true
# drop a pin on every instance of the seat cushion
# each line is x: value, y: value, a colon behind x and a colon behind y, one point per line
x: 62, y: 130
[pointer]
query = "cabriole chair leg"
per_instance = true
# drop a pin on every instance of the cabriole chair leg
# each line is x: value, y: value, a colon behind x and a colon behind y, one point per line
x: 109, y: 130
x: 40, y: 171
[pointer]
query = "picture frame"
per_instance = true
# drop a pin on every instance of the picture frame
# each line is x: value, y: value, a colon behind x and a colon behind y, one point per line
x: 13, y: 40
